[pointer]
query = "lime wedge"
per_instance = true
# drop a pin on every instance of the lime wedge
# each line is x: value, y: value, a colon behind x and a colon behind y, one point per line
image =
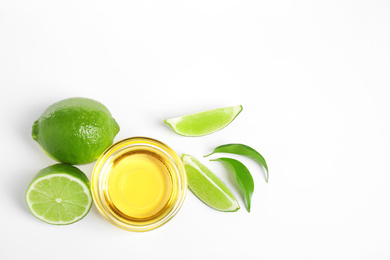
x: 204, y: 123
x: 59, y: 194
x: 207, y: 186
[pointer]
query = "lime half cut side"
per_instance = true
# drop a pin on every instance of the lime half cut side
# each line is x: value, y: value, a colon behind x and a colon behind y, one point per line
x: 207, y: 186
x: 59, y: 194
x: 204, y: 123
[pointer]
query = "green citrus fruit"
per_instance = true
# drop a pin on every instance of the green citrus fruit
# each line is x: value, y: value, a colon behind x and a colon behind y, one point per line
x: 207, y: 186
x: 75, y: 130
x: 204, y: 123
x: 59, y: 194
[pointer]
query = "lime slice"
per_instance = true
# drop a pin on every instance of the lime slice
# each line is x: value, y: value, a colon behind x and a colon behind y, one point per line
x: 207, y: 186
x: 59, y: 194
x: 204, y: 123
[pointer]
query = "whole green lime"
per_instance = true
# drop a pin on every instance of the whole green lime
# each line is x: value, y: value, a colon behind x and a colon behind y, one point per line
x: 75, y: 130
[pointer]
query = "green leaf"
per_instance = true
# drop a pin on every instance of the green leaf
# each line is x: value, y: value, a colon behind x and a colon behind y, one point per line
x: 244, y: 150
x: 243, y: 178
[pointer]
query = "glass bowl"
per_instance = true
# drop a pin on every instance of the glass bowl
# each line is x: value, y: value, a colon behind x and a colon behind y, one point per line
x: 139, y: 184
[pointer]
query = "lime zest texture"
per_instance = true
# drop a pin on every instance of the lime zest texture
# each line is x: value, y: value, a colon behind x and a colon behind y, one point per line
x: 204, y: 123
x: 75, y: 130
x: 207, y: 186
x: 243, y: 178
x: 242, y: 149
x: 59, y: 194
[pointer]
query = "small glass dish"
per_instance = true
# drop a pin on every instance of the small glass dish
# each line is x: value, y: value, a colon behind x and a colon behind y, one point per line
x: 139, y: 184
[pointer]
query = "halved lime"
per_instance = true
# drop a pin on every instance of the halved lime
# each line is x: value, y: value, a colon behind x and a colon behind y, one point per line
x: 207, y: 186
x: 204, y: 123
x: 59, y: 194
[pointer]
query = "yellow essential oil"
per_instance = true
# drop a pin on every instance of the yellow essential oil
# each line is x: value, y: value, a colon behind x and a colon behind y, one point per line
x: 139, y: 184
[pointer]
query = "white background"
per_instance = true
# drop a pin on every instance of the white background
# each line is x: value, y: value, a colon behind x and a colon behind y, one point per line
x: 312, y: 76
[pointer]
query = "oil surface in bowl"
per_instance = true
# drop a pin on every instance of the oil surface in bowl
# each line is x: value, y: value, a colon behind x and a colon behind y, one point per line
x: 139, y: 184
